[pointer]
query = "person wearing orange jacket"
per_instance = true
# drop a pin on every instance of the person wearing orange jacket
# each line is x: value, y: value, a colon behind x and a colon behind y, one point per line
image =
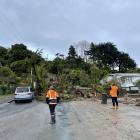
x: 52, y: 99
x: 114, y: 92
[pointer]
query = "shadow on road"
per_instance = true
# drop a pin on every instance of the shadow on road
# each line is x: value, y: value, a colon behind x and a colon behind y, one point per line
x: 23, y: 102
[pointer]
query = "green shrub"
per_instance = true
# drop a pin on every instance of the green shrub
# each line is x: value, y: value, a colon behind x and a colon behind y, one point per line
x: 41, y: 98
x: 4, y: 89
x: 137, y: 83
x: 66, y: 97
x: 107, y: 86
x: 99, y: 89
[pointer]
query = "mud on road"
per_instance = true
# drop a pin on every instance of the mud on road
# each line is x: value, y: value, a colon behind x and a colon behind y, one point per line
x: 77, y: 120
x: 90, y: 120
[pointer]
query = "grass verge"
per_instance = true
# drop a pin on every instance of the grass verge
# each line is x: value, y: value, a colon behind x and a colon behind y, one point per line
x: 5, y: 97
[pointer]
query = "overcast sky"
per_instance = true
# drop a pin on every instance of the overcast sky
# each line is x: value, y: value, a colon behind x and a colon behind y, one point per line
x: 53, y: 25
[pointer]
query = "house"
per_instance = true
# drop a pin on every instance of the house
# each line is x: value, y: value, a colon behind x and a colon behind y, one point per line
x: 125, y: 80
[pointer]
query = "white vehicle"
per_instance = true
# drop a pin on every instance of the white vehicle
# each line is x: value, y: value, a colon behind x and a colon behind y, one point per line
x: 23, y: 93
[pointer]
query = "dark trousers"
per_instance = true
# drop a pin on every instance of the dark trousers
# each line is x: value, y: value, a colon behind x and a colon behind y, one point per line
x: 52, y: 108
x: 114, y: 101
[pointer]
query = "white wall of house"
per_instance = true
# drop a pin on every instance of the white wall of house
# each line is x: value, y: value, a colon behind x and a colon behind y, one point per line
x: 126, y: 80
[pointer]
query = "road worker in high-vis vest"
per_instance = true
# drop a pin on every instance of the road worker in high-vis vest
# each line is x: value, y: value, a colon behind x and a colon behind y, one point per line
x: 52, y: 99
x: 114, y: 92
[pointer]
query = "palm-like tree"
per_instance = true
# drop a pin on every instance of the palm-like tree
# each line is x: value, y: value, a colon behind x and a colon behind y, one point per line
x: 36, y: 59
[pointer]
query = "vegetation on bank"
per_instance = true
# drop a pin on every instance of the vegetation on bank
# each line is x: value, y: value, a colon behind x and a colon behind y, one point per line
x: 4, y: 97
x: 21, y: 66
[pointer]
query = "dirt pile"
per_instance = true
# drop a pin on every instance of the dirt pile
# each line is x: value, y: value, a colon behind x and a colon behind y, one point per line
x: 138, y: 102
x: 130, y: 100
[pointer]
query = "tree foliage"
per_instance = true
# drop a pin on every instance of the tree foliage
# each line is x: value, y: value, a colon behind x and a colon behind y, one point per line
x: 97, y: 74
x: 56, y: 66
x: 71, y: 70
x: 6, y: 72
x: 18, y: 52
x: 107, y: 55
x: 7, y: 75
x: 72, y: 53
x: 20, y: 61
x: 71, y: 77
x: 21, y: 66
x: 125, y: 62
x: 3, y: 56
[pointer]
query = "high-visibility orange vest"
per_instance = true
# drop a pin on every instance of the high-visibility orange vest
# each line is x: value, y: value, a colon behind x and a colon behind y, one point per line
x: 113, y: 91
x: 52, y: 94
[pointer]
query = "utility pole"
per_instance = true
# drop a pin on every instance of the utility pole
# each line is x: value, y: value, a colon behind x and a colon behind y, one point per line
x: 31, y: 77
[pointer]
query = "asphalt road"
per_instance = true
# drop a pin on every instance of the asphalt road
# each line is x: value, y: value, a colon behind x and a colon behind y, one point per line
x: 77, y: 120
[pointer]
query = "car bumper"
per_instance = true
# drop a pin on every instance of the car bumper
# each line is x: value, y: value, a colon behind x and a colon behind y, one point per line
x: 21, y: 99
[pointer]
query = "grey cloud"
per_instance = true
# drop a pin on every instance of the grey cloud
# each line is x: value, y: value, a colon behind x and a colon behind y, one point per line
x: 54, y: 25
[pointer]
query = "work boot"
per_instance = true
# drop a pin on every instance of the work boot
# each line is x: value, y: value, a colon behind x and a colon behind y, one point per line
x: 116, y: 107
x: 113, y: 107
x: 53, y: 118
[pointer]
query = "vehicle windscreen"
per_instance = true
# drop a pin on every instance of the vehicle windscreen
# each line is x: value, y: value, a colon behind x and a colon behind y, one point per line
x: 19, y: 90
